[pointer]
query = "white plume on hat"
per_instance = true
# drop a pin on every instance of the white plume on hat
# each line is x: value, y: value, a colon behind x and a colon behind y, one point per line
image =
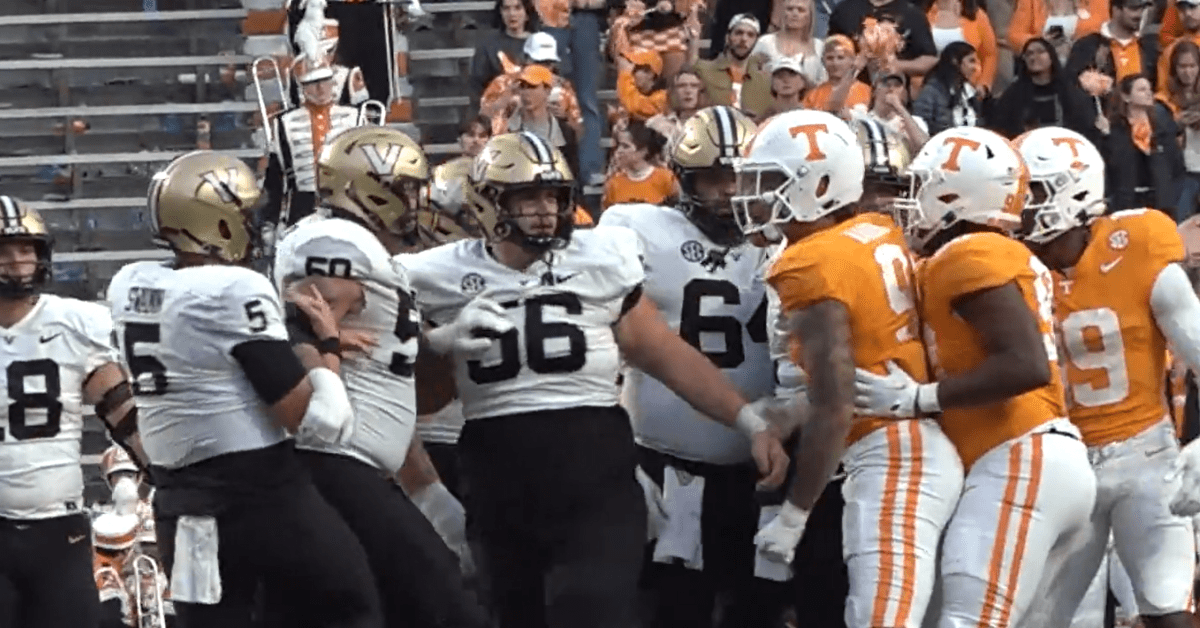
x: 309, y: 33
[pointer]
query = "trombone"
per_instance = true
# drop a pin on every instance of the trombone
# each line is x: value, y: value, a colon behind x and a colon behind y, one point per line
x: 149, y: 604
x: 263, y: 105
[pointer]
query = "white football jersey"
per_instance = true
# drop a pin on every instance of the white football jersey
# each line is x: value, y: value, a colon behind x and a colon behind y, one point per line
x: 47, y: 357
x: 176, y: 330
x: 380, y: 385
x: 715, y: 297
x: 789, y: 377
x: 562, y: 353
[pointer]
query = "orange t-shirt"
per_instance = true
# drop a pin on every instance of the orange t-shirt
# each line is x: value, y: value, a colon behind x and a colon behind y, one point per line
x: 865, y: 264
x: 818, y: 97
x: 1115, y: 354
x: 963, y: 266
x: 640, y: 106
x: 1127, y: 57
x: 654, y: 189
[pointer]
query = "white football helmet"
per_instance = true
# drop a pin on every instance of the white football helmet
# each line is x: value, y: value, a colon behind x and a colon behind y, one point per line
x: 1066, y: 182
x: 803, y: 164
x: 963, y: 174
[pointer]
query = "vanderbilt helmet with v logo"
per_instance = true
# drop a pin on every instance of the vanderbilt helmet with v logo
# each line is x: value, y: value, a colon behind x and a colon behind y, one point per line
x: 204, y: 203
x: 22, y: 223
x: 374, y: 175
x: 511, y: 164
x: 711, y: 141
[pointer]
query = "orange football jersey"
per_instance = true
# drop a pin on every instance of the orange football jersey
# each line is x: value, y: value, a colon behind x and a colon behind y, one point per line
x: 1115, y: 354
x: 864, y: 263
x: 961, y: 267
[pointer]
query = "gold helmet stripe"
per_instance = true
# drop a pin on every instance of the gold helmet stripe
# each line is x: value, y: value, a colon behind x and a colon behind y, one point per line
x: 12, y: 213
x: 545, y: 155
x: 726, y: 133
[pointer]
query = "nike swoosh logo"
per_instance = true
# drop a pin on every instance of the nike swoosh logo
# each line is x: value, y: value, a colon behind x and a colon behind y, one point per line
x: 562, y: 278
x: 45, y: 339
x: 1155, y: 452
x: 75, y: 539
x: 1107, y: 266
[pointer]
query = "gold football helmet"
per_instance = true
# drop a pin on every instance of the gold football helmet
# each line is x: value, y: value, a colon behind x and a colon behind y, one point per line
x: 711, y: 140
x: 511, y: 163
x: 21, y: 222
x: 204, y: 203
x: 377, y: 175
x: 886, y: 156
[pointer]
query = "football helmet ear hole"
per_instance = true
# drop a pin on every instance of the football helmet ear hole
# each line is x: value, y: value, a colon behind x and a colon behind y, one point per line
x: 223, y: 228
x: 822, y: 188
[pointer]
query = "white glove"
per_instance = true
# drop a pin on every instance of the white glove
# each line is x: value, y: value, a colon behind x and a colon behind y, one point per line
x: 449, y: 518
x: 480, y: 314
x: 1186, y: 501
x: 897, y: 395
x: 778, y: 539
x: 656, y: 512
x: 328, y: 418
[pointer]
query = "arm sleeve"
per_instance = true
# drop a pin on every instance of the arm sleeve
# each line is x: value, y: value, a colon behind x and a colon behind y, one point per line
x: 1177, y: 312
x: 271, y: 366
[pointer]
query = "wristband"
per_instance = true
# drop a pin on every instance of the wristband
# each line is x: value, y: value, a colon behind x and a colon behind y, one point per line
x: 926, y: 401
x: 750, y: 422
x: 329, y: 345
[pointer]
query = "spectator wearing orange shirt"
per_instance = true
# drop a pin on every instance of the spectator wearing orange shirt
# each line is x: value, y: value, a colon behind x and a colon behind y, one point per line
x: 637, y: 84
x: 1189, y: 20
x: 1061, y: 22
x: 501, y: 97
x: 1119, y: 49
x: 963, y: 20
x: 843, y: 91
x: 639, y: 177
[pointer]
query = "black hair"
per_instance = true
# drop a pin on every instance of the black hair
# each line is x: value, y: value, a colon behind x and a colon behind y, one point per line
x: 531, y: 16
x: 644, y: 137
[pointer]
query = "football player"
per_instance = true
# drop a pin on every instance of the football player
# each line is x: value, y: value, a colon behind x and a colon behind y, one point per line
x: 57, y: 357
x: 708, y: 285
x: 845, y: 282
x: 373, y: 182
x: 987, y: 306
x: 1121, y: 298
x: 548, y: 455
x: 219, y: 389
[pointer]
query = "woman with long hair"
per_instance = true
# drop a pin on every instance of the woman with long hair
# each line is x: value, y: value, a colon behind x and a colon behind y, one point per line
x: 795, y: 40
x: 948, y: 98
x: 965, y: 20
x: 514, y: 21
x: 1142, y: 142
x: 684, y: 98
x: 1182, y: 97
x: 1042, y: 95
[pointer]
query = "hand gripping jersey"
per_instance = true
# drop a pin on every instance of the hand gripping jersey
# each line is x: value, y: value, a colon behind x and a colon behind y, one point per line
x: 562, y: 353
x: 176, y: 330
x: 1115, y: 353
x: 380, y: 385
x: 864, y: 264
x: 965, y: 265
x: 46, y: 357
x: 716, y: 298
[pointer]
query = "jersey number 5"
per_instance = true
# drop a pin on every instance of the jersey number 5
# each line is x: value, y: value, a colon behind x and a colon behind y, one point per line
x: 537, y: 332
x: 149, y: 375
x: 19, y: 375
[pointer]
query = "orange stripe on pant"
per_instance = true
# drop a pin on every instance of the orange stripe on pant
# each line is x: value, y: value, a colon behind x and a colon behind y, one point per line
x: 886, y: 525
x: 997, y: 562
x: 909, y: 519
x: 1031, y: 494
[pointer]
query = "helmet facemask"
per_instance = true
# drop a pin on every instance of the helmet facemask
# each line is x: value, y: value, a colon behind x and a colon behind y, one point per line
x: 761, y: 203
x: 715, y: 218
x: 508, y: 224
x: 1048, y: 213
x: 16, y: 288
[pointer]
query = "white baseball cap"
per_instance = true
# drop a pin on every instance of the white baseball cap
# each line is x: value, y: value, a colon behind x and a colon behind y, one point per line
x: 541, y: 47
x: 785, y: 63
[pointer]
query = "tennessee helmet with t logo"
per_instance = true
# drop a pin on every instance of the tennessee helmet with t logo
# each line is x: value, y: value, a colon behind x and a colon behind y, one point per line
x: 963, y: 175
x: 710, y: 142
x: 513, y: 163
x: 1066, y: 183
x: 801, y: 166
x: 203, y: 203
x: 19, y: 222
x: 377, y: 176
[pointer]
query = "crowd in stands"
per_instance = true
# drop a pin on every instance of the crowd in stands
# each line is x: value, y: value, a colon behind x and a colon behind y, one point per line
x: 1124, y: 73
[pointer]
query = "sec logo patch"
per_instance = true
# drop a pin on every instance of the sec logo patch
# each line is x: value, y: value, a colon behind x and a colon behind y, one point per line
x: 1119, y: 240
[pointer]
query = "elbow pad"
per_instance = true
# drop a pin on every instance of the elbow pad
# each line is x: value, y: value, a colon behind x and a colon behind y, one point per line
x: 120, y: 428
x: 328, y: 418
x: 1177, y: 312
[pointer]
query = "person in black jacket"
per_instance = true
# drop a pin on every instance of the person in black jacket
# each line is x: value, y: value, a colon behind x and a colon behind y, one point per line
x: 1041, y: 96
x: 1120, y: 48
x: 1143, y: 150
